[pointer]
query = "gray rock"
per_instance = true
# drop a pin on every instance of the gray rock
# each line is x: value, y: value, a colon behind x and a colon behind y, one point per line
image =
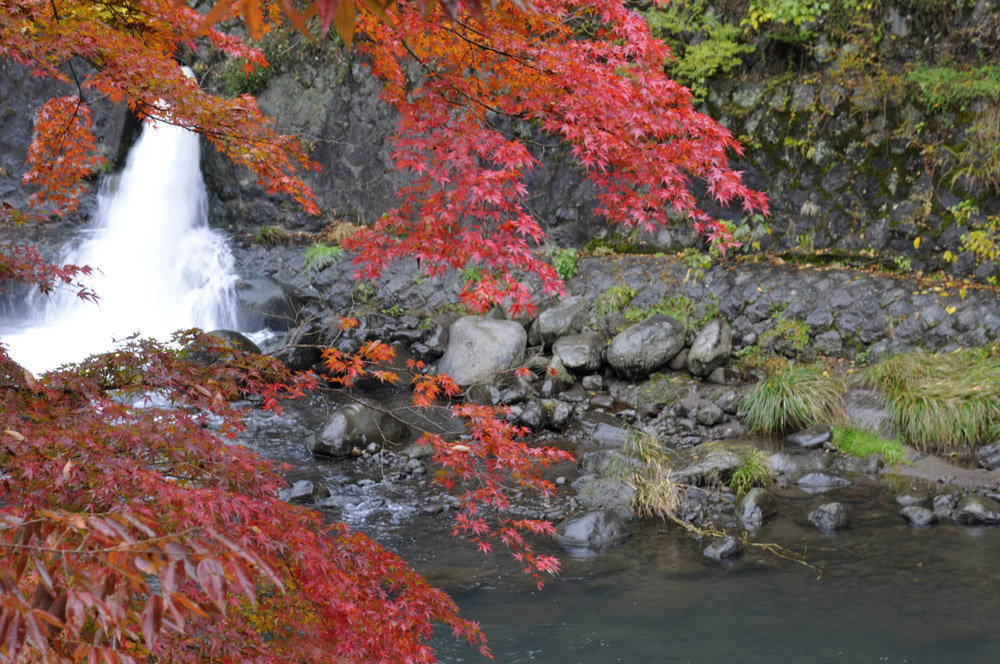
x: 724, y: 548
x: 821, y: 481
x: 829, y: 343
x: 266, y: 302
x: 918, y: 516
x: 305, y: 491
x: 533, y: 415
x: 593, y: 383
x: 580, y: 352
x: 594, y: 492
x: 598, y: 529
x: 418, y: 451
x: 755, y: 507
x: 724, y: 376
x: 484, y: 395
x: 562, y: 415
x: 913, y: 497
x: 710, y: 462
x: 811, y: 438
x: 355, y: 425
x: 567, y: 317
x: 829, y: 517
x: 788, y: 463
x: 711, y: 348
x: 976, y: 510
x: 301, y: 349
x: 709, y: 414
x: 680, y: 361
x: 945, y: 504
x: 641, y: 349
x: 989, y: 456
x: 478, y: 348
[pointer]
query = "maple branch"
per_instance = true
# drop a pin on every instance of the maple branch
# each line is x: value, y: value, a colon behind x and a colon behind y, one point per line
x: 123, y: 548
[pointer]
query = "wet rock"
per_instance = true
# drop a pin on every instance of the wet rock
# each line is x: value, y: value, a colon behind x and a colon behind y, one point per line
x: 821, y: 482
x: 918, y: 516
x: 599, y: 529
x: 228, y: 338
x: 724, y: 376
x: 790, y: 463
x: 989, y: 456
x: 976, y: 510
x: 755, y: 507
x: 355, y: 425
x: 567, y: 317
x: 811, y: 438
x: 729, y: 402
x: 724, y: 548
x: 641, y: 349
x: 580, y: 352
x: 418, y: 451
x: 305, y: 491
x: 478, y: 348
x: 679, y: 362
x: 602, y: 401
x: 264, y: 302
x: 711, y: 348
x: 945, y: 504
x: 593, y: 383
x: 593, y: 492
x: 557, y: 371
x: 517, y: 393
x: 829, y: 517
x: 709, y: 462
x: 483, y: 395
x: 562, y: 415
x: 533, y: 415
x: 709, y: 414
x: 913, y: 497
x: 301, y: 349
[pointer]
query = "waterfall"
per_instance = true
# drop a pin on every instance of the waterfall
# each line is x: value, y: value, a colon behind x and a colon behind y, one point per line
x: 157, y: 266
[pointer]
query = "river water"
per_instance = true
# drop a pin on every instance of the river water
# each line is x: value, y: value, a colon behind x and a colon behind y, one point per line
x: 888, y: 592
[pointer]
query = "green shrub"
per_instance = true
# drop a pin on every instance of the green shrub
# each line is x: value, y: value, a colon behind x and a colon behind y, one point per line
x: 793, y: 398
x: 614, y: 300
x: 272, y: 235
x: 755, y: 471
x: 941, y: 402
x: 863, y: 443
x: 788, y: 336
x: 944, y: 88
x: 565, y: 263
x: 320, y: 256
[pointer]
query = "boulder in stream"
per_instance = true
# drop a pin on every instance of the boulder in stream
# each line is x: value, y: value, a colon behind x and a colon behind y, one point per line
x: 829, y: 517
x: 598, y: 529
x: 724, y: 548
x: 755, y: 507
x: 976, y: 510
x: 479, y: 348
x: 355, y: 425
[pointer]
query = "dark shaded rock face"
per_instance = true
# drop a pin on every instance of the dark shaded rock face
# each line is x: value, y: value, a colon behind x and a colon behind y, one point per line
x: 724, y: 548
x: 641, y: 349
x: 976, y: 510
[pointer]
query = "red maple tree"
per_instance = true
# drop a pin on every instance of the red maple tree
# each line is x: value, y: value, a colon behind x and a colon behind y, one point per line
x: 128, y: 529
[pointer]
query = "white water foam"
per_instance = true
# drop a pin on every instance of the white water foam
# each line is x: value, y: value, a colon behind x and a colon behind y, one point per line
x: 157, y: 266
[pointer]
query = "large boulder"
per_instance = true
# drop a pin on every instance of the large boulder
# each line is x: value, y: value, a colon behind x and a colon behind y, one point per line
x: 356, y: 425
x: 710, y: 462
x: 755, y: 507
x: 641, y: 349
x: 567, y: 317
x: 710, y: 348
x: 580, y: 352
x: 598, y: 529
x: 480, y: 347
x: 989, y: 456
x: 976, y: 510
x: 266, y: 302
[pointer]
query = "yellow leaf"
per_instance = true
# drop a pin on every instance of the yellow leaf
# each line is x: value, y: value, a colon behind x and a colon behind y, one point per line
x: 67, y: 468
x: 916, y: 315
x: 961, y: 293
x: 950, y: 310
x: 15, y: 435
x: 916, y: 243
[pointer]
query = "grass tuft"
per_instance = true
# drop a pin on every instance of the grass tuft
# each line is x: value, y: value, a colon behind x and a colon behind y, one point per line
x: 793, y: 398
x: 941, y: 402
x: 645, y: 467
x: 320, y: 256
x: 271, y: 236
x: 755, y: 471
x: 863, y: 443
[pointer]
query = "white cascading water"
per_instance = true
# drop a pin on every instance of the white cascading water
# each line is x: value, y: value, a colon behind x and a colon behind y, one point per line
x: 157, y: 266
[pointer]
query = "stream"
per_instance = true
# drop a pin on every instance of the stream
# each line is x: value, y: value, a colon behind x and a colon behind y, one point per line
x: 888, y: 592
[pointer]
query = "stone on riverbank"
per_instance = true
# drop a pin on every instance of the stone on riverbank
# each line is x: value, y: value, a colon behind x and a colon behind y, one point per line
x: 580, y: 352
x: 711, y: 348
x: 567, y: 317
x: 918, y: 516
x: 829, y: 517
x: 599, y: 529
x: 989, y: 456
x: 724, y: 548
x: 755, y: 507
x: 355, y: 425
x: 812, y: 437
x: 641, y: 349
x: 478, y: 348
x: 976, y: 510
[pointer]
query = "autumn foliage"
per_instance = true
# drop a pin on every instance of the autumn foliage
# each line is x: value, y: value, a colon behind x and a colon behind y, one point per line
x: 131, y: 529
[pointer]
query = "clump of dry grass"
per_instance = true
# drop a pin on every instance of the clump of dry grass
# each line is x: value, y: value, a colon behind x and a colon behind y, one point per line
x: 645, y: 467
